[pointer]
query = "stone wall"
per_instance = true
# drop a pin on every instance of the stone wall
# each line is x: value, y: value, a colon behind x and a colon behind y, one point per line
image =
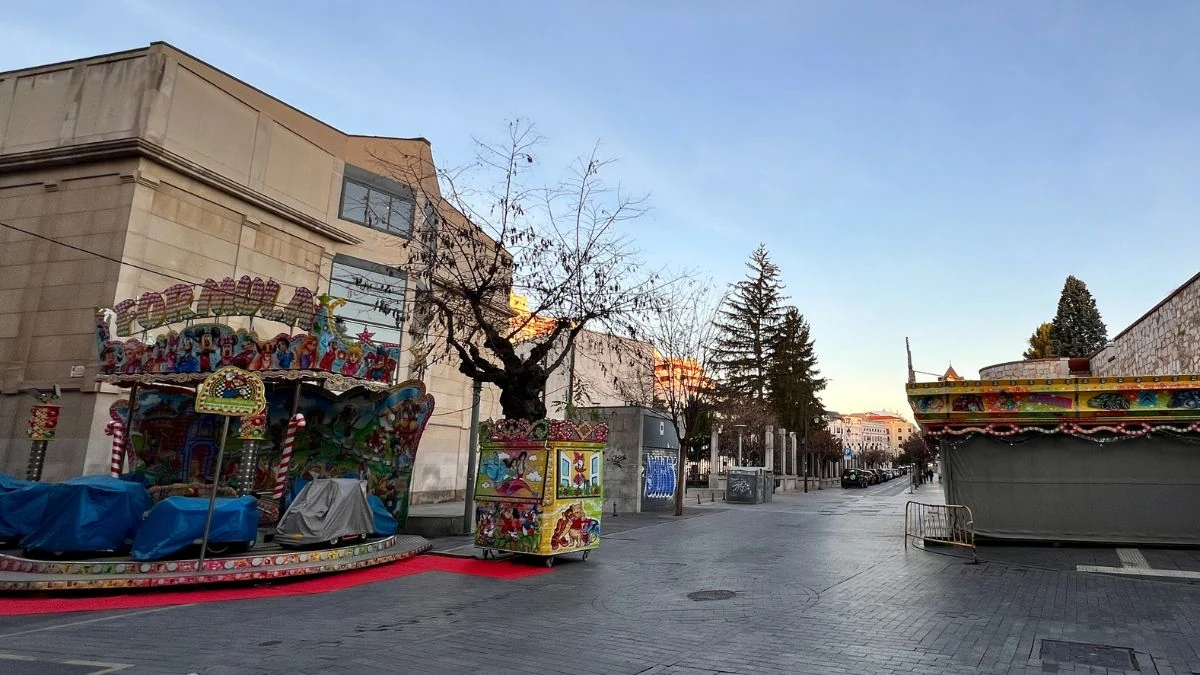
x: 1164, y: 341
x: 1031, y: 369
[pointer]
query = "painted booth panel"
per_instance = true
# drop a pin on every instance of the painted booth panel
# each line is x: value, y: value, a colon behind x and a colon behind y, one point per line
x: 559, y: 509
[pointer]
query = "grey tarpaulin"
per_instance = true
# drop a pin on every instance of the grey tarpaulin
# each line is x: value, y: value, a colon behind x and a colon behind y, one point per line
x: 327, y: 508
x: 1142, y: 490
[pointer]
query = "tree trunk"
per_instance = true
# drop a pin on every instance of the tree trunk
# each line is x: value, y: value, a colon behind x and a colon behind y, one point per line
x: 521, y: 395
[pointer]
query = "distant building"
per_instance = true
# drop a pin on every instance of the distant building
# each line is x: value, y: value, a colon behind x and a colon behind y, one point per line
x: 600, y: 370
x: 683, y: 376
x: 950, y: 375
x: 869, y: 431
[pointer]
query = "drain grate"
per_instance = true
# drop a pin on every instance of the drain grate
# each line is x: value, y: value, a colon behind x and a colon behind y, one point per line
x: 1085, y: 654
x: 705, y: 596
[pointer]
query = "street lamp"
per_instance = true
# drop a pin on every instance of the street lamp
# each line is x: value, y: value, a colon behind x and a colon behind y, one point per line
x: 740, y: 428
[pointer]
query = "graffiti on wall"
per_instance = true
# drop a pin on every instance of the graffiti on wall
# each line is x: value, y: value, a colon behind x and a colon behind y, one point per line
x: 660, y: 479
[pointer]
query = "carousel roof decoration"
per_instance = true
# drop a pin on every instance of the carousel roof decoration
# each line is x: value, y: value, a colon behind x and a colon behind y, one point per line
x: 1080, y: 406
x: 195, y: 344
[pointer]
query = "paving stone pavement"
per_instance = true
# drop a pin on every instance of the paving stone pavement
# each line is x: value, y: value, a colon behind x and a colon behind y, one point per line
x: 821, y: 584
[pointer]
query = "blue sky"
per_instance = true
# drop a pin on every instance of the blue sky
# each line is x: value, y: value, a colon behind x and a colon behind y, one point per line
x: 924, y: 169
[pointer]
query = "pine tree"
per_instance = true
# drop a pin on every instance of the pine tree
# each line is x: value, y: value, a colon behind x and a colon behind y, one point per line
x: 793, y: 380
x: 1040, y: 346
x: 745, y: 324
x: 1077, y: 330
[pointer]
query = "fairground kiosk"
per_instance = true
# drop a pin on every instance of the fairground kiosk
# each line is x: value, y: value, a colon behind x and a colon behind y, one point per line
x: 332, y: 410
x: 539, y: 488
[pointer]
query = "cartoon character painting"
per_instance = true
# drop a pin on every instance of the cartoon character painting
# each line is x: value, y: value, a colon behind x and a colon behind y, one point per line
x: 283, y: 353
x: 208, y: 349
x: 574, y: 529
x: 185, y: 360
x: 354, y: 356
x: 204, y: 348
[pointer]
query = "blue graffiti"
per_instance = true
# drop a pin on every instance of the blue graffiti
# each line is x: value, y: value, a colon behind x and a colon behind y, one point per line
x: 660, y: 477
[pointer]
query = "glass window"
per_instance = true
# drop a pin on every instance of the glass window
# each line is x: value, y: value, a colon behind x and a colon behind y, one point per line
x: 354, y: 203
x: 376, y: 208
x: 379, y: 209
x: 374, y: 296
x: 400, y: 218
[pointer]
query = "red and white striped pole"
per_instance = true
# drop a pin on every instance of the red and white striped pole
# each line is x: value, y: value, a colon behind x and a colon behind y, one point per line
x: 297, y: 422
x: 117, y: 431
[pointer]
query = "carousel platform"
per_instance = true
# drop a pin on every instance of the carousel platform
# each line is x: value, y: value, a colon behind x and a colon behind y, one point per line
x: 263, y: 563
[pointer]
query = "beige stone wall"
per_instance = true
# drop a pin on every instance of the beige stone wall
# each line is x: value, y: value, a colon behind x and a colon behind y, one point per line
x: 1031, y: 369
x: 223, y: 181
x: 608, y: 371
x: 1165, y: 341
x: 48, y: 295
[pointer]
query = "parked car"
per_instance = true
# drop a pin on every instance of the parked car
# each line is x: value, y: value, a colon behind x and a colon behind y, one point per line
x: 855, y: 478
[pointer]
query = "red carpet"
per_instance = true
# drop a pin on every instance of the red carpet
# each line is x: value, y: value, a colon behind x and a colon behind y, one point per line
x: 504, y: 570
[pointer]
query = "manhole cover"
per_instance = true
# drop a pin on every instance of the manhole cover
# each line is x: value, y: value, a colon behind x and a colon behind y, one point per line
x: 703, y: 596
x: 1119, y: 658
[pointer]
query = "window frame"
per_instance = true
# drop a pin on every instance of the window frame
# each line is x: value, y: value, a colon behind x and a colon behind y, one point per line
x: 375, y: 184
x: 401, y: 278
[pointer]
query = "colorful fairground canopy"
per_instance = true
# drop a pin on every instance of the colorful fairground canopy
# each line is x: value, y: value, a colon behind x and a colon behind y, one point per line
x: 195, y: 343
x: 1078, y: 406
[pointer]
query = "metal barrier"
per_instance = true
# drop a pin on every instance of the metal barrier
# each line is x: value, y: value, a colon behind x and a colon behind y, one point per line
x: 945, y: 524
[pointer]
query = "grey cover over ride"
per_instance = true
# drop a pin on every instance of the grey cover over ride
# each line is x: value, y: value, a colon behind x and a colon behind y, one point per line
x: 327, y: 508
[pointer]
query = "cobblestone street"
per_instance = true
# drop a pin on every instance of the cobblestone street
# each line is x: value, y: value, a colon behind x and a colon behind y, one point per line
x: 820, y: 583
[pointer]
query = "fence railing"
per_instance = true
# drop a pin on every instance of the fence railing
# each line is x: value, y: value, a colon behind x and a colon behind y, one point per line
x: 945, y: 524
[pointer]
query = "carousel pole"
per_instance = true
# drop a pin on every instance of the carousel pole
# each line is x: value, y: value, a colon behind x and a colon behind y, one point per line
x: 117, y: 431
x: 212, y: 495
x: 285, y: 459
x: 127, y: 444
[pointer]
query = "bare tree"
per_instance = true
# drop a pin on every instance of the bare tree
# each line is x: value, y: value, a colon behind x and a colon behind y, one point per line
x: 562, y: 245
x: 683, y: 335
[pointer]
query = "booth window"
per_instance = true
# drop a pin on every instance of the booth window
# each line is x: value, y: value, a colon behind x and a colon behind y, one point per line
x: 374, y: 296
x: 376, y: 202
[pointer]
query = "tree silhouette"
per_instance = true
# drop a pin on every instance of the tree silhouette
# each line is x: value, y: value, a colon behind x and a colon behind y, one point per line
x: 1077, y: 330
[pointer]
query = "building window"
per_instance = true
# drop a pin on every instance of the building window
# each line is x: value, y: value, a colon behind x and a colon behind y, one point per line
x: 374, y: 296
x: 377, y: 202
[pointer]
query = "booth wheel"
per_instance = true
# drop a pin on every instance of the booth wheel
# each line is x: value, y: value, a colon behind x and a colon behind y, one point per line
x: 549, y: 561
x: 585, y: 555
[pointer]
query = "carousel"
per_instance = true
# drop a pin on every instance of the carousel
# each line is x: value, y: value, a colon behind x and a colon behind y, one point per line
x: 234, y: 457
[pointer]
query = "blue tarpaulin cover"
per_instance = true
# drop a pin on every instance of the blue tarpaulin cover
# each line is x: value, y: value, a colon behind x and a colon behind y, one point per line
x: 21, y: 509
x: 177, y: 522
x: 385, y: 522
x: 8, y: 483
x: 91, y: 513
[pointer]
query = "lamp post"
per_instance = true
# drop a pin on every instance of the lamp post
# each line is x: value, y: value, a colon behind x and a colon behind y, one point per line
x: 740, y: 428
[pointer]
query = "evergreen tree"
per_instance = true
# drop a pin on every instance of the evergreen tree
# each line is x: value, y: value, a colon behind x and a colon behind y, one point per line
x: 793, y: 380
x: 745, y: 323
x: 1077, y: 330
x: 1040, y: 346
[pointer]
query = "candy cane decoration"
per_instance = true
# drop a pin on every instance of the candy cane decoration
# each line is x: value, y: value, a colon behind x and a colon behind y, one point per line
x: 297, y: 422
x: 117, y: 431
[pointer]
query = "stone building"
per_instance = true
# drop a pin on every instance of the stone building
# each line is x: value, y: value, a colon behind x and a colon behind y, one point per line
x: 134, y: 171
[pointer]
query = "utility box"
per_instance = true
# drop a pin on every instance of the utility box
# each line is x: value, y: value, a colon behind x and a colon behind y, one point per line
x: 641, y: 471
x: 749, y: 485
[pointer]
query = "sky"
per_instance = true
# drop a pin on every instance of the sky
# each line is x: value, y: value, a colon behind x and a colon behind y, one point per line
x: 930, y: 170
